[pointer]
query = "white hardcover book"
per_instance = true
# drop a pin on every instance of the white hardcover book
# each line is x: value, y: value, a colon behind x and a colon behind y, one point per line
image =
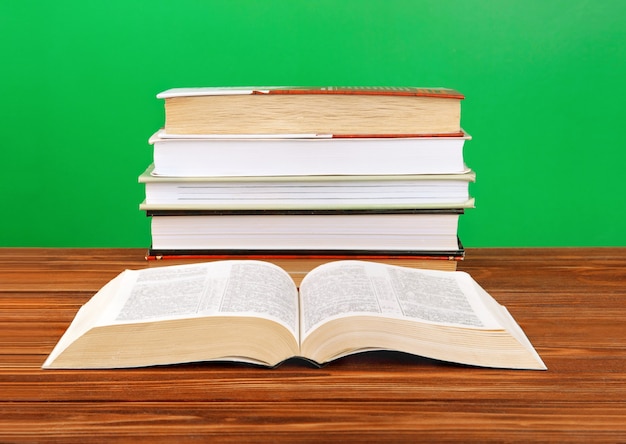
x: 285, y: 156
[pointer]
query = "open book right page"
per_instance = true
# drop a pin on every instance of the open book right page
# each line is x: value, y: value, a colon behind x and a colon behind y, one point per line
x: 351, y: 306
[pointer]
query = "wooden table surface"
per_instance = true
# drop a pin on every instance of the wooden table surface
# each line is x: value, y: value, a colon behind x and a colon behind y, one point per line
x: 570, y: 302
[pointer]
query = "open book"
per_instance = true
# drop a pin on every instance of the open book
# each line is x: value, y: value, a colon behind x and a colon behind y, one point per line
x: 251, y: 311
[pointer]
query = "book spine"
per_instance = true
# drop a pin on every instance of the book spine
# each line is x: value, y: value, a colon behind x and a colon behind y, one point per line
x: 158, y: 254
x: 343, y: 212
x: 396, y: 136
x: 440, y: 93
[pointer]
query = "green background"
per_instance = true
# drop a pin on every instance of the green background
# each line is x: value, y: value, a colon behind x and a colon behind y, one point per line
x: 544, y: 84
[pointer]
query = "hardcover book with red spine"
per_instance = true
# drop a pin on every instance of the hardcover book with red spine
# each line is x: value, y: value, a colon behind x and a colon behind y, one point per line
x: 313, y: 111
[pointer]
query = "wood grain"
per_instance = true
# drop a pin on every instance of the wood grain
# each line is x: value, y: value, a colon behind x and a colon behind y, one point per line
x: 571, y: 303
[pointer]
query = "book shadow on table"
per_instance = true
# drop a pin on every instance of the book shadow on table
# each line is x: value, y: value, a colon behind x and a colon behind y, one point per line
x: 369, y: 360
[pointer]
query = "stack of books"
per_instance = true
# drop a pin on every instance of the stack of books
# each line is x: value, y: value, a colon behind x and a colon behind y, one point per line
x: 308, y: 175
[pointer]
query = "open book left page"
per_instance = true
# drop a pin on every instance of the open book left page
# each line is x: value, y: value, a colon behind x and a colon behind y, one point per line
x: 166, y: 314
